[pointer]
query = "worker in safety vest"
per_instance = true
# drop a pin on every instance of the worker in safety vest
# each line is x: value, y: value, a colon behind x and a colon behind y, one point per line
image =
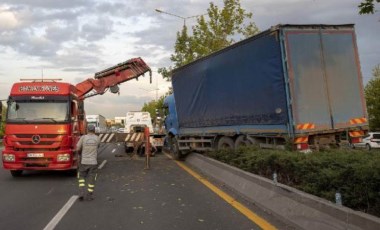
x: 88, y: 147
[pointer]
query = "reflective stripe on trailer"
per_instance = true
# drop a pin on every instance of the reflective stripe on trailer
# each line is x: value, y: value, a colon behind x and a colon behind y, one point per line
x: 359, y: 133
x: 356, y: 121
x: 300, y: 140
x: 305, y: 126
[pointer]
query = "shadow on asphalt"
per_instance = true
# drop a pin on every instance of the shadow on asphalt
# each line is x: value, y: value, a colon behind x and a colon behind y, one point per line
x: 44, y: 175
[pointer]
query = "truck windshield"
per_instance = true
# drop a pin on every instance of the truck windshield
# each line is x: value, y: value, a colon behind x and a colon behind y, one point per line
x: 32, y: 112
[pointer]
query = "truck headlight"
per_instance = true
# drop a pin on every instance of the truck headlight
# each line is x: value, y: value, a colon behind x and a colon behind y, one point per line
x: 9, y: 157
x: 63, y: 157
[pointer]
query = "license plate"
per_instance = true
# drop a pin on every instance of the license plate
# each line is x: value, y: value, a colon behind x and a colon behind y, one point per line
x: 35, y: 155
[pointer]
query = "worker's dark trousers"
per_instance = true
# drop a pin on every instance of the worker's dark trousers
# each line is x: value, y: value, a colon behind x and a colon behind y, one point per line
x: 87, y: 175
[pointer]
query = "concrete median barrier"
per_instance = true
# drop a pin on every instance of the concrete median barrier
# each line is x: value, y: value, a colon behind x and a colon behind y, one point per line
x: 295, y: 207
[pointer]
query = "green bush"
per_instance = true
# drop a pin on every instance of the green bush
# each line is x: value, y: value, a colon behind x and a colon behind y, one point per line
x: 354, y: 173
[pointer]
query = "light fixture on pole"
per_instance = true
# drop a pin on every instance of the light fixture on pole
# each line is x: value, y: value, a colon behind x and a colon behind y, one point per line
x: 178, y: 16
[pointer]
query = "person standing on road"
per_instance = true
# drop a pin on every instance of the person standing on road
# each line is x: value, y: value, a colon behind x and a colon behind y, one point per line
x: 88, y: 146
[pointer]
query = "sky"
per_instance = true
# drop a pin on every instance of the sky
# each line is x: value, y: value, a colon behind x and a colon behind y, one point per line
x: 73, y: 39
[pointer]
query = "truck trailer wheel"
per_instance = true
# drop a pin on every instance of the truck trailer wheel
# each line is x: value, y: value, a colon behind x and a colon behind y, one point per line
x: 241, y: 141
x: 174, y: 149
x: 16, y: 173
x: 225, y: 143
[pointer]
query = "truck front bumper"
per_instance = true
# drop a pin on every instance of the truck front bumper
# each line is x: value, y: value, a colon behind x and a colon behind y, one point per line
x: 59, y: 160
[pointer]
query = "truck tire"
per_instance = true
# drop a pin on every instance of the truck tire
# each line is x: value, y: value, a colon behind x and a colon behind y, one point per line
x: 241, y: 141
x: 16, y: 173
x: 225, y: 143
x: 174, y: 149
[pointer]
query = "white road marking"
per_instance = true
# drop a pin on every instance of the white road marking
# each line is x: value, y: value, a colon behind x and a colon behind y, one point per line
x: 51, y: 225
x: 113, y: 150
x: 169, y: 156
x: 50, y: 191
x: 102, y: 164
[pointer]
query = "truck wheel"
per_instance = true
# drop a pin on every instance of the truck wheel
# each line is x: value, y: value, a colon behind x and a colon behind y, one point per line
x: 241, y: 142
x: 174, y: 149
x: 16, y: 173
x: 225, y: 143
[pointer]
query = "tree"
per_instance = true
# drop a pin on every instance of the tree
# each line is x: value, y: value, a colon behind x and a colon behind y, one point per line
x: 152, y: 106
x: 221, y: 30
x: 372, y: 95
x: 2, y: 124
x: 367, y: 6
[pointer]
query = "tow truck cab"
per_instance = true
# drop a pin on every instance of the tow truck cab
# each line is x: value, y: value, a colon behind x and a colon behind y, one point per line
x: 44, y: 122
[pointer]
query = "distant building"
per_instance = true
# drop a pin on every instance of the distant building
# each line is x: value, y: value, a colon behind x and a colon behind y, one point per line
x: 120, y: 120
x: 110, y: 122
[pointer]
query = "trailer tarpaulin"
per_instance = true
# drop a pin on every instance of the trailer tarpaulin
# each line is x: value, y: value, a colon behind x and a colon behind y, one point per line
x: 241, y: 85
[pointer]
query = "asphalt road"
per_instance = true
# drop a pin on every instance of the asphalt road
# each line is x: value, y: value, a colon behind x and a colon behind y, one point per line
x: 127, y: 197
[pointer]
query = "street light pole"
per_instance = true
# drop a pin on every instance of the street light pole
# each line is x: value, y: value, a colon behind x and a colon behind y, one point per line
x: 184, y: 18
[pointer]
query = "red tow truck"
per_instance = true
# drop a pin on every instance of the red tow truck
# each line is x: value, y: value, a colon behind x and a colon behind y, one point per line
x: 45, y: 118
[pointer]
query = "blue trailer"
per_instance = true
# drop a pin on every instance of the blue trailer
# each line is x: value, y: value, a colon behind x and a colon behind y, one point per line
x: 291, y: 84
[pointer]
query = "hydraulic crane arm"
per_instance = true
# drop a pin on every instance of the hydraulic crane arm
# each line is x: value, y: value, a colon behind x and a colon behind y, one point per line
x: 111, y: 77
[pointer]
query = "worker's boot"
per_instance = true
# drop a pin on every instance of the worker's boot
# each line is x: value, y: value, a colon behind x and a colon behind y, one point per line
x: 90, y: 196
x: 81, y: 194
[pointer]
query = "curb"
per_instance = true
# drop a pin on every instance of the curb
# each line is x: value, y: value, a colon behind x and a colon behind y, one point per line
x: 286, y: 203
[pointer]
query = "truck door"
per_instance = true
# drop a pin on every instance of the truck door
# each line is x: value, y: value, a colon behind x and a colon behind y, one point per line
x: 343, y: 77
x: 325, y: 80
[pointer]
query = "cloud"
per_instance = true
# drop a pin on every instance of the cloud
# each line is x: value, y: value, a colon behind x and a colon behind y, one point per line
x: 8, y: 20
x: 97, y: 29
x: 73, y: 39
x: 114, y: 105
x: 50, y: 4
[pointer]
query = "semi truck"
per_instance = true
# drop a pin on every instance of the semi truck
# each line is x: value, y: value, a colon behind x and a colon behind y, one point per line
x: 45, y: 118
x: 297, y: 86
x: 98, y: 121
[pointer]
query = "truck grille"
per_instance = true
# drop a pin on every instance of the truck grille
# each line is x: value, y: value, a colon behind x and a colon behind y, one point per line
x: 40, y: 143
x: 36, y: 149
x: 41, y: 135
x: 36, y: 162
x: 47, y: 142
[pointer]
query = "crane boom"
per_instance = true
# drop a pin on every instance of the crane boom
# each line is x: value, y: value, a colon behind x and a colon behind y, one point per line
x: 111, y: 77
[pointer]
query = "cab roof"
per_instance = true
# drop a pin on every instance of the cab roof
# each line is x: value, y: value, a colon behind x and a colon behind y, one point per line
x: 42, y: 88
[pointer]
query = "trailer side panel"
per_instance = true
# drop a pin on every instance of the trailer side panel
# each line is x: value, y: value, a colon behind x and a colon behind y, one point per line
x: 242, y: 85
